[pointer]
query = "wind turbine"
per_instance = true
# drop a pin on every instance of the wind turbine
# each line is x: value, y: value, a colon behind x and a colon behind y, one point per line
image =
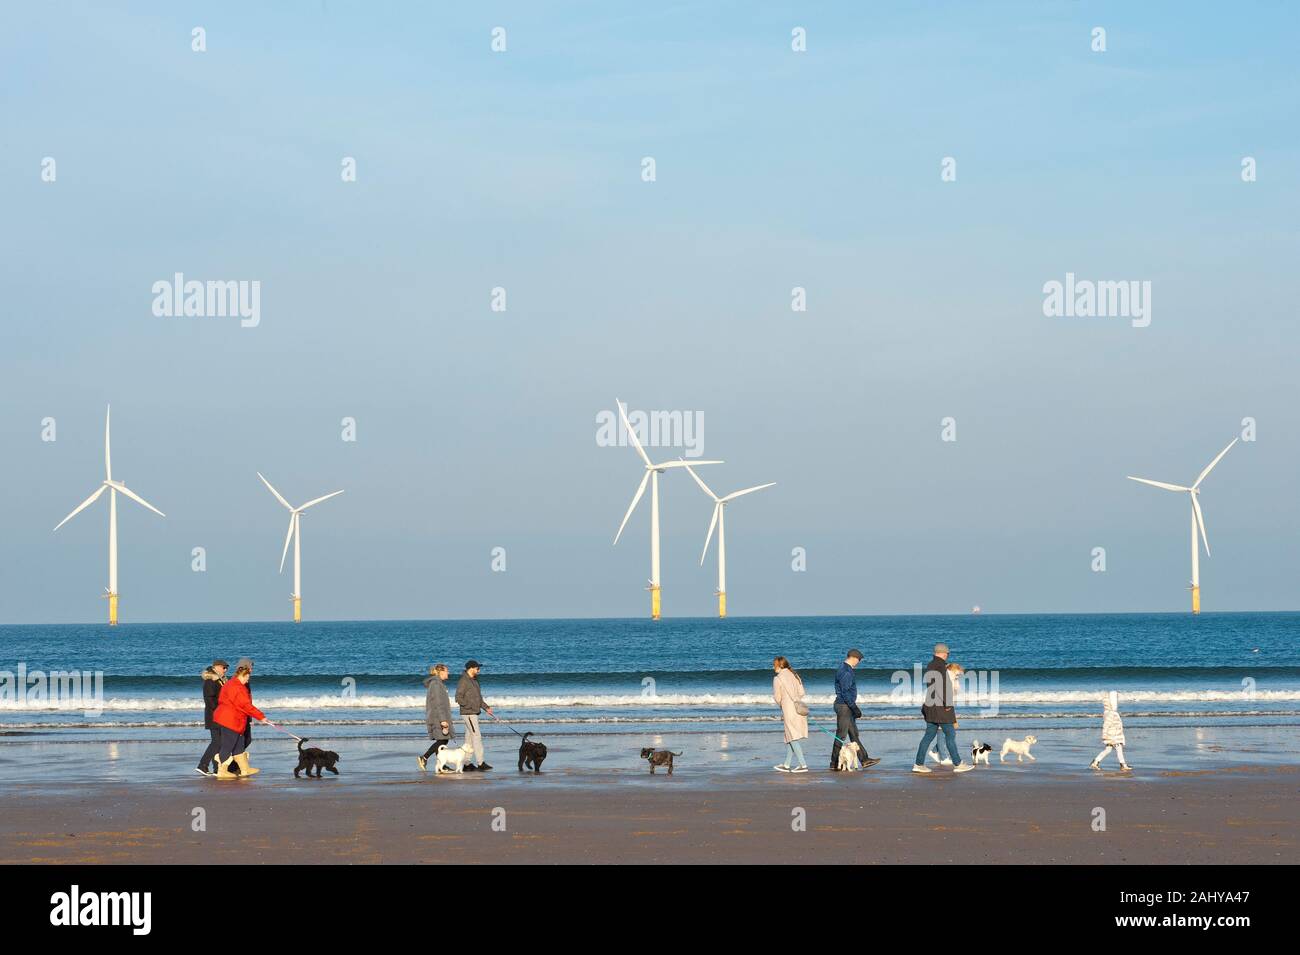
x: 1198, y: 520
x: 652, y: 472
x: 295, y: 535
x: 720, y: 521
x: 114, y: 488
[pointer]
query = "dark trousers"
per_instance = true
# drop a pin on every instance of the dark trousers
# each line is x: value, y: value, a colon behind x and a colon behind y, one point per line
x: 846, y: 728
x: 214, y: 747
x: 232, y: 743
x: 437, y: 745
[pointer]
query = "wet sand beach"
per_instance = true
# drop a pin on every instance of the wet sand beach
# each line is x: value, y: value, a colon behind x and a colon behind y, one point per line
x: 68, y: 803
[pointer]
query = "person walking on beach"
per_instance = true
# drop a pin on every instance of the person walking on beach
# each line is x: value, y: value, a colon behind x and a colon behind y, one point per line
x: 437, y: 712
x: 234, y: 707
x: 1112, y: 732
x: 214, y: 678
x: 469, y: 697
x: 939, y: 713
x: 847, y: 713
x: 787, y: 691
x: 247, y: 663
x: 940, y: 752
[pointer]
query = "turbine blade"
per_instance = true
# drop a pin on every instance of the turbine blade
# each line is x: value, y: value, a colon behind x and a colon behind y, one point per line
x: 636, y: 498
x: 82, y: 506
x: 1167, y: 487
x: 1200, y: 522
x: 293, y: 518
x: 622, y: 413
x: 278, y: 496
x: 749, y: 490
x: 704, y: 487
x: 138, y: 499
x: 108, y: 457
x: 682, y: 464
x: 1210, y: 467
x: 318, y: 500
x: 709, y: 537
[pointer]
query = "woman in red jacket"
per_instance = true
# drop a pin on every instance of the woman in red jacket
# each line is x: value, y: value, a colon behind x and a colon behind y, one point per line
x: 234, y: 707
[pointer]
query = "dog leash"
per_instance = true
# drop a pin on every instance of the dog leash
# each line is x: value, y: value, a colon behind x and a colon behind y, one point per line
x: 285, y: 732
x: 829, y: 733
x: 506, y: 725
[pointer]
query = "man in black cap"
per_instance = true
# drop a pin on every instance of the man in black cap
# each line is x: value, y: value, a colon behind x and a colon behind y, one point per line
x: 470, y: 700
x: 847, y: 712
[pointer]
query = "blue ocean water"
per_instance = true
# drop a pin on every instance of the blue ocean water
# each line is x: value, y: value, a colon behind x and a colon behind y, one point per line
x: 364, y: 677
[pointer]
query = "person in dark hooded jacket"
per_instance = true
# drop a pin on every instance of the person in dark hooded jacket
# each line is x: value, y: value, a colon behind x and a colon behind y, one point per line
x: 437, y: 712
x: 214, y: 677
x: 939, y: 713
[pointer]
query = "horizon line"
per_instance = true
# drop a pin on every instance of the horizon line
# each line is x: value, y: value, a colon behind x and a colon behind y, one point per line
x: 830, y: 616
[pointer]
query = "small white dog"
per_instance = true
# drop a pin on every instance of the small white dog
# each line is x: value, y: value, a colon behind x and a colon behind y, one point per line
x: 980, y: 751
x: 1020, y: 748
x: 849, y: 759
x: 453, y: 757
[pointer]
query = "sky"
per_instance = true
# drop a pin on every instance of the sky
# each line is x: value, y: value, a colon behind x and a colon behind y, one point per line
x: 523, y: 169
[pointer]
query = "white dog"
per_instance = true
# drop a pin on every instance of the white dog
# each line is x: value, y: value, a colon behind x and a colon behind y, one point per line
x: 849, y: 759
x: 1020, y: 748
x: 453, y: 757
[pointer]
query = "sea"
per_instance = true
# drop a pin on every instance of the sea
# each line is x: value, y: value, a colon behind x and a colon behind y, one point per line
x: 142, y: 682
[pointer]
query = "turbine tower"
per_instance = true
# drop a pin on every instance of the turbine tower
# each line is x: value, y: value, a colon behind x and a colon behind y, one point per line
x: 114, y: 488
x: 652, y: 472
x: 1198, y: 520
x: 295, y: 535
x: 720, y: 521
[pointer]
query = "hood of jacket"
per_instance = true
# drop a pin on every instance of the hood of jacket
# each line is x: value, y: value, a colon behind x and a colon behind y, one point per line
x: 211, y: 674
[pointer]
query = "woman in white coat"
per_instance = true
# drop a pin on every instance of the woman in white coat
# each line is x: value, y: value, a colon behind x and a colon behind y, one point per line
x: 787, y: 691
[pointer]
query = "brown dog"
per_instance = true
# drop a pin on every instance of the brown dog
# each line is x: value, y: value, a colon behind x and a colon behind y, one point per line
x: 658, y: 757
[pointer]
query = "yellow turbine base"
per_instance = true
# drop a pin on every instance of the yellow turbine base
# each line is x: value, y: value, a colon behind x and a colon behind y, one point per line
x: 722, y: 605
x: 1196, y: 600
x: 654, y: 603
x: 297, y: 610
x: 112, y: 610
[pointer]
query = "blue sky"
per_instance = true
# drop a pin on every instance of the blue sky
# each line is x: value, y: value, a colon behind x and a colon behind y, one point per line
x: 521, y: 169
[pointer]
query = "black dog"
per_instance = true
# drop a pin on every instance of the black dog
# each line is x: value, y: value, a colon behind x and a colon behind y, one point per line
x: 313, y: 758
x: 659, y: 757
x: 532, y: 754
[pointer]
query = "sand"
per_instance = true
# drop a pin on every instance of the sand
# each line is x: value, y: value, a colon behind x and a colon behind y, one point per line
x: 1232, y: 814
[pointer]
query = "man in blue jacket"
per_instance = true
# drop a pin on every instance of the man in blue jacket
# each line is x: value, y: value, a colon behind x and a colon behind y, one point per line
x: 847, y: 712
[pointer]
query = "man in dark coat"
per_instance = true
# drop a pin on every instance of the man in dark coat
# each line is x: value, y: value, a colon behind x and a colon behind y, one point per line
x: 847, y: 713
x: 214, y: 677
x: 939, y: 712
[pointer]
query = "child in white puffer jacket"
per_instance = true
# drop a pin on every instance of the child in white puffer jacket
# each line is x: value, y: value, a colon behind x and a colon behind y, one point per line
x: 1112, y: 731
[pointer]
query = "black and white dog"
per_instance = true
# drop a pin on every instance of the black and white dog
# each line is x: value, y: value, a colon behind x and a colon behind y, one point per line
x: 980, y: 751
